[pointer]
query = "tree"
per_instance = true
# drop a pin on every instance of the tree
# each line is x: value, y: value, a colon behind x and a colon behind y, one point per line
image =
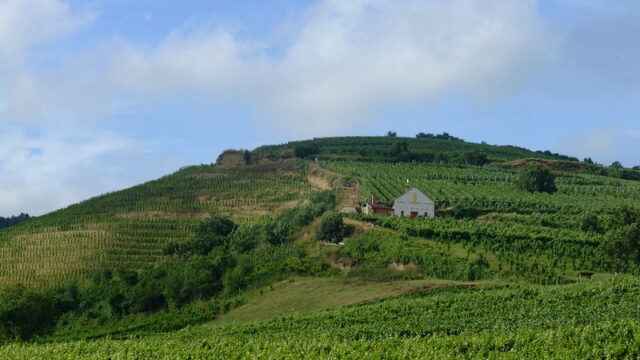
x: 302, y: 151
x: 331, y: 227
x: 617, y: 165
x: 211, y: 233
x: 536, y: 178
x: 590, y: 223
x: 400, y: 147
x: 391, y: 133
x: 588, y: 160
x: 622, y: 245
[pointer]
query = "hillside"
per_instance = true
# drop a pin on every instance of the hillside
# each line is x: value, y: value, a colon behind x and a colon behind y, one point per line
x: 391, y: 148
x: 239, y: 248
x: 129, y: 228
x: 581, y: 321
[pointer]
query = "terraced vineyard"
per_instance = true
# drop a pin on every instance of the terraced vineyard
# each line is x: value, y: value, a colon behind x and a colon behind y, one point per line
x: 488, y: 189
x: 128, y: 229
x: 537, y: 236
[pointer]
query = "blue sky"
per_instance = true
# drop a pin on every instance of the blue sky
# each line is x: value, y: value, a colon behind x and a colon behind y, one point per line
x: 99, y: 95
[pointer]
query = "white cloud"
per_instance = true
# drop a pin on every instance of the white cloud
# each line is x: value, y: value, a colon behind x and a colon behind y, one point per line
x: 345, y: 61
x: 41, y: 173
x: 352, y: 59
x: 26, y: 23
x: 605, y: 145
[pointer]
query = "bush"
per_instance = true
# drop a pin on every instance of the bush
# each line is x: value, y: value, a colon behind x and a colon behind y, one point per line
x: 331, y: 227
x: 212, y: 233
x: 622, y: 245
x: 536, y: 178
x: 590, y: 223
x: 25, y: 313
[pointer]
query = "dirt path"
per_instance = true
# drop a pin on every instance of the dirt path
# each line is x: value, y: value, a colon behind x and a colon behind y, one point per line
x: 319, y: 183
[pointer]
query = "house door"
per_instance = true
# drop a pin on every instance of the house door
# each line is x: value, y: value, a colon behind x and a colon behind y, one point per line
x: 414, y: 213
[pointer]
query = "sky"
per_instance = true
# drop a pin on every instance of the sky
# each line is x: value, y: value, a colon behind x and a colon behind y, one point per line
x: 100, y: 95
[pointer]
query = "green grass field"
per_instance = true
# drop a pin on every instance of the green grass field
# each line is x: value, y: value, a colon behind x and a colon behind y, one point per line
x: 309, y: 295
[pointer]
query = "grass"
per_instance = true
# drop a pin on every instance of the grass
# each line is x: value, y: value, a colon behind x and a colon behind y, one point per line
x: 309, y: 295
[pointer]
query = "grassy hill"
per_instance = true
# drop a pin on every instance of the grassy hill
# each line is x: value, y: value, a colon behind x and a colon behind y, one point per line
x: 376, y: 148
x: 129, y: 228
x: 266, y: 284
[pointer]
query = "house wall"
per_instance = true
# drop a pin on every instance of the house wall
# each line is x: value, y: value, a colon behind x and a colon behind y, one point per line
x: 368, y: 209
x: 414, y: 201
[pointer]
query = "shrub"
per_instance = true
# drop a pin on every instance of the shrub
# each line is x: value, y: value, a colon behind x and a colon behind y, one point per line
x: 331, y: 227
x: 536, y: 178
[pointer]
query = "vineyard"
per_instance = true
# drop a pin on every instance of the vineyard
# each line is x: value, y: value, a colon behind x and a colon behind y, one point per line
x: 367, y: 148
x: 582, y: 321
x: 536, y: 236
x: 149, y: 272
x: 488, y: 189
x: 129, y: 228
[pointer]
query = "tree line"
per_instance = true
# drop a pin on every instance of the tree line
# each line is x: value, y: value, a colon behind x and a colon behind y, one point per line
x: 13, y: 220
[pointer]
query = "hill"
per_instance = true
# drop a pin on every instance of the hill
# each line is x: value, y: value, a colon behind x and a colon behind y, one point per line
x: 129, y: 228
x: 582, y: 321
x: 219, y: 241
x: 450, y: 150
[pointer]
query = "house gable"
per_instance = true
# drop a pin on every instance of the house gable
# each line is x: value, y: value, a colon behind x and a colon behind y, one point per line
x: 414, y: 196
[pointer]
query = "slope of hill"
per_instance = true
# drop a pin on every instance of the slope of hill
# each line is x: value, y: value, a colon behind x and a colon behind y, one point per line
x: 389, y: 148
x: 487, y: 230
x: 590, y: 320
x: 129, y: 228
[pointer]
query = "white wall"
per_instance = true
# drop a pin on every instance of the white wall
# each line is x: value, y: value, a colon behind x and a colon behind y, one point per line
x: 414, y: 201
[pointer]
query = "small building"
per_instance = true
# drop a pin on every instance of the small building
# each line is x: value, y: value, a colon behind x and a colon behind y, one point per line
x: 413, y: 203
x: 375, y: 207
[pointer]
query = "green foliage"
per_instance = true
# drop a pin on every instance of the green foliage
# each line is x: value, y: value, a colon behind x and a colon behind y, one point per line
x: 130, y: 228
x: 581, y: 321
x: 623, y: 247
x: 209, y: 235
x: 25, y: 312
x: 536, y: 178
x: 590, y: 223
x: 443, y: 148
x: 616, y: 165
x: 220, y: 260
x: 13, y: 220
x: 331, y: 227
x: 378, y: 250
x: 303, y: 150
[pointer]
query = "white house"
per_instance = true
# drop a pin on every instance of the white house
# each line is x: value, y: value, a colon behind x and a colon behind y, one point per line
x: 414, y: 203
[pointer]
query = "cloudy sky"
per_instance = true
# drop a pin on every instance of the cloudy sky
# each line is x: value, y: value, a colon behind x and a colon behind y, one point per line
x: 98, y: 95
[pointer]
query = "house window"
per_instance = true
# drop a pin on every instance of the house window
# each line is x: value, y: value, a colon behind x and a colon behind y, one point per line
x: 402, y: 213
x: 426, y: 214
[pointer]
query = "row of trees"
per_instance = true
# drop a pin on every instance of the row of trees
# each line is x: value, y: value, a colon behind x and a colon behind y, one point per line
x: 13, y: 220
x: 421, y: 135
